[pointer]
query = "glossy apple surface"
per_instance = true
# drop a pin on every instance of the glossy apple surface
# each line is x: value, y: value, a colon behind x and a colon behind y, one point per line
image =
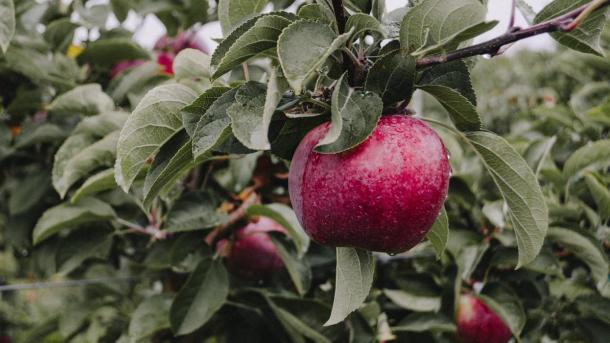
x: 383, y: 195
x: 477, y: 323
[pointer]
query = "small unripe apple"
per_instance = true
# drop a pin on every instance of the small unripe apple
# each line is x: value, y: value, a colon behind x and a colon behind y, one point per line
x: 383, y: 195
x: 477, y: 323
x: 253, y: 254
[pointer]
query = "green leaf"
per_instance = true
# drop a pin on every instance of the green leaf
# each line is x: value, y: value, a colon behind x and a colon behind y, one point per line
x: 506, y: 304
x: 246, y: 115
x: 151, y: 315
x: 354, y: 116
x: 44, y: 133
x: 414, y: 302
x: 462, y: 112
x: 250, y: 39
x: 284, y: 216
x: 79, y: 164
x: 424, y: 322
x: 537, y: 152
x: 60, y: 33
x: 455, y: 39
x: 203, y: 294
x: 138, y: 79
x: 193, y: 211
x: 298, y: 269
x: 233, y: 13
x: 596, y: 306
x: 154, y: 121
x: 527, y: 11
x: 83, y: 100
x: 590, y: 157
x: 70, y: 148
x: 81, y: 245
x: 439, y: 233
x: 354, y: 278
x: 432, y: 22
x: 586, y: 36
x: 102, y: 124
x: 192, y: 63
x: 213, y: 127
x: 519, y: 188
x: 96, y: 183
x: 362, y: 23
x: 108, y: 52
x: 293, y: 323
x: 600, y: 194
x: 31, y: 190
x: 303, y: 48
x: 7, y: 24
x: 585, y: 248
x: 64, y: 216
x: 170, y: 164
x: 192, y: 113
x: 392, y: 77
x: 454, y: 75
x: 276, y: 87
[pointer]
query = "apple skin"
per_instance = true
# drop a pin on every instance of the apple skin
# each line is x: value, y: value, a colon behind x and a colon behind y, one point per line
x: 166, y: 62
x: 477, y: 323
x: 383, y: 195
x: 253, y: 254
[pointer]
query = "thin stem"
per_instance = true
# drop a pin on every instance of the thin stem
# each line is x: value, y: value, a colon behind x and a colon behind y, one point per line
x: 317, y: 103
x: 563, y: 23
x: 246, y: 71
x: 511, y: 22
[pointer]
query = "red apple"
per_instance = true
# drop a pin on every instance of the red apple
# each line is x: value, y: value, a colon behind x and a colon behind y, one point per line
x: 253, y: 254
x: 166, y: 61
x: 477, y: 323
x: 383, y: 195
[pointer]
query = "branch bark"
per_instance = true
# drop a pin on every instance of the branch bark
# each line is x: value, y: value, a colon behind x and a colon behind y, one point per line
x: 564, y: 23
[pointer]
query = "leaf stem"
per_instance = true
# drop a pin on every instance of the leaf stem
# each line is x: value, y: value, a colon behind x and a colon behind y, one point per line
x: 563, y: 23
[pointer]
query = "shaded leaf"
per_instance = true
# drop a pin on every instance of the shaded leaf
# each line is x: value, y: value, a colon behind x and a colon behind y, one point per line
x: 414, y: 302
x: 392, y: 77
x: 246, y: 114
x: 192, y: 63
x: 590, y: 157
x: 64, y: 216
x: 518, y: 185
x: 101, y: 124
x: 298, y: 269
x: 354, y: 116
x: 194, y: 211
x: 439, y: 233
x: 232, y: 13
x: 108, y: 52
x: 303, y: 48
x: 504, y: 302
x: 250, y: 39
x: 585, y: 248
x: 354, y: 278
x: 7, y: 24
x: 153, y: 122
x: 82, y: 100
x: 175, y: 157
x: 203, y: 294
x: 423, y: 322
x: 96, y: 183
x: 586, y: 36
x: 462, y: 112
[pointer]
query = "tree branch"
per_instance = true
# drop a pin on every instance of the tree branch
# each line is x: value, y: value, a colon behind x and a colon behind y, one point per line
x: 339, y: 15
x: 564, y: 23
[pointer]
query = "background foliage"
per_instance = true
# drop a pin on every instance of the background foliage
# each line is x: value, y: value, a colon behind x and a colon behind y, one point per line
x: 111, y: 187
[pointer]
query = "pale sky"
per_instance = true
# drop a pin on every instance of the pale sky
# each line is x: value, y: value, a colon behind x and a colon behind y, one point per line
x: 151, y: 29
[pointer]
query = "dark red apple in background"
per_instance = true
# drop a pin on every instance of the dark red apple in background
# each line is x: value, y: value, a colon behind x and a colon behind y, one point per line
x: 253, y: 254
x: 383, y: 195
x: 166, y: 49
x: 477, y: 323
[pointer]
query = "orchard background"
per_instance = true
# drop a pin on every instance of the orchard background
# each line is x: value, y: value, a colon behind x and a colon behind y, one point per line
x: 128, y: 174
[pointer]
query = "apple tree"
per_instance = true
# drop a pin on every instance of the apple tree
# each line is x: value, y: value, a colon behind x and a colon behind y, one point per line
x: 331, y: 172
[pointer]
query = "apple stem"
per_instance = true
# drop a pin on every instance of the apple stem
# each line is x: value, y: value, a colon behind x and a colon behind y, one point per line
x: 564, y: 23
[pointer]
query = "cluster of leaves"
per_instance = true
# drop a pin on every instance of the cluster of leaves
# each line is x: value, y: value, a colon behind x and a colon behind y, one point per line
x: 122, y: 187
